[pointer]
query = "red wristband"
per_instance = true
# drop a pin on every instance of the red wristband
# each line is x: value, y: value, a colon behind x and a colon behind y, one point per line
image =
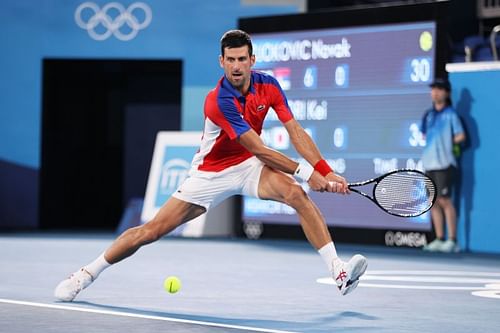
x: 323, y: 168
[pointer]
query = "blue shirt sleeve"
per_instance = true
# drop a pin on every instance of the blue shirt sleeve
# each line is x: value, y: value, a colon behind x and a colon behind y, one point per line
x: 423, y: 123
x: 233, y: 118
x: 456, y: 124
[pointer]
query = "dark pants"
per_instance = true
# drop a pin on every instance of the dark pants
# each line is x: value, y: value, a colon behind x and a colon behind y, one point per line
x: 443, y: 180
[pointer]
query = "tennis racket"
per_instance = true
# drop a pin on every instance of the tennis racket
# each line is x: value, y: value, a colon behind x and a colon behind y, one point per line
x: 403, y: 192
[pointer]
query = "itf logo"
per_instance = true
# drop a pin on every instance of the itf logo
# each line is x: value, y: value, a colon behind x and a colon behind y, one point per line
x: 170, y: 166
x: 113, y: 19
x: 174, y: 169
x: 173, y: 174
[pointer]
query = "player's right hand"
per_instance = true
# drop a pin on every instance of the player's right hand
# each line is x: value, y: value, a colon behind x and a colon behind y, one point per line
x: 339, y: 183
x: 337, y: 187
x: 321, y: 184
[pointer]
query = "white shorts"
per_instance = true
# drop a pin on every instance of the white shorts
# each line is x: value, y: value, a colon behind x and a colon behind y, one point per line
x: 209, y: 189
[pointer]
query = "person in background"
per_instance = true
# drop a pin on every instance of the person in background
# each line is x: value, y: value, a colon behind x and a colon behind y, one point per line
x: 443, y: 130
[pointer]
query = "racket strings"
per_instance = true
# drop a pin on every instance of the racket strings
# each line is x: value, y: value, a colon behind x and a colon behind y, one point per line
x: 405, y: 193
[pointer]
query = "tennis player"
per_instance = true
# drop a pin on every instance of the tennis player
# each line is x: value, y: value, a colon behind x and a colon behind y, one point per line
x: 233, y: 159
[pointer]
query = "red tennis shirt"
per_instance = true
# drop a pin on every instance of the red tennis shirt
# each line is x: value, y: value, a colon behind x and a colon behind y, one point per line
x: 228, y: 114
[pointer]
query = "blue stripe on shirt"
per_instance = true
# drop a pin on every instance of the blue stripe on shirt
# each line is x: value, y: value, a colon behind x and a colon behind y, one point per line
x: 232, y: 115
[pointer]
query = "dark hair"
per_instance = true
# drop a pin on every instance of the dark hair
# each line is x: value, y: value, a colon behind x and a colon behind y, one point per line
x: 441, y: 84
x: 235, y: 38
x: 444, y: 84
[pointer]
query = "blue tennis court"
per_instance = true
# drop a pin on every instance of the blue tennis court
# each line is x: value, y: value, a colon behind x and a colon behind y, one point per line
x: 242, y: 285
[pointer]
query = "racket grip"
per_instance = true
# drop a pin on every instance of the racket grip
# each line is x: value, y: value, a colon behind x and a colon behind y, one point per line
x: 332, y: 183
x: 346, y: 190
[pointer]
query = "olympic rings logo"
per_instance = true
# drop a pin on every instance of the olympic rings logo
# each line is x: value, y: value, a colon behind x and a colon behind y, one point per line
x: 112, y: 25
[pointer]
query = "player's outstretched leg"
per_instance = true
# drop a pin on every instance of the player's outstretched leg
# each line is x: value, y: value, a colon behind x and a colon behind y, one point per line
x: 172, y: 214
x: 347, y: 274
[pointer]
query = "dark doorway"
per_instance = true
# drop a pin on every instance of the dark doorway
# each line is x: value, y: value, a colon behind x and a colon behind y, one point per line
x: 100, y: 119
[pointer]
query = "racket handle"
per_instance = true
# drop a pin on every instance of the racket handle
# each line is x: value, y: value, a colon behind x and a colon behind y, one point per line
x: 332, y: 184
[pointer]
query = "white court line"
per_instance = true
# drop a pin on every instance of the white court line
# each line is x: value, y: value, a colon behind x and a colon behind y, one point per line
x: 435, y: 279
x: 451, y: 273
x: 135, y: 315
x: 403, y: 286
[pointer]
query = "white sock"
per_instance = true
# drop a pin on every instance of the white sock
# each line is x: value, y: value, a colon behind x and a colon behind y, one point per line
x: 329, y: 255
x: 97, y: 266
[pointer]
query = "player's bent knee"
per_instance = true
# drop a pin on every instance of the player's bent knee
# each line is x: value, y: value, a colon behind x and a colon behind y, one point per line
x: 295, y: 195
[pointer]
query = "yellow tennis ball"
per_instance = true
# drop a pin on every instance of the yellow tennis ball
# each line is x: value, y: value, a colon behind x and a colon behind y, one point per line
x: 172, y: 284
x: 425, y: 41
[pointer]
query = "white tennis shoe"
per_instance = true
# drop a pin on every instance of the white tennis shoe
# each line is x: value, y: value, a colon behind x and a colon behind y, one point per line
x: 449, y: 246
x: 68, y: 289
x: 347, y: 274
x: 434, y: 246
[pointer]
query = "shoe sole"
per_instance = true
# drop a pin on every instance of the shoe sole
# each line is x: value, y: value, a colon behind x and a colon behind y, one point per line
x: 357, y: 272
x: 359, y: 269
x: 350, y: 287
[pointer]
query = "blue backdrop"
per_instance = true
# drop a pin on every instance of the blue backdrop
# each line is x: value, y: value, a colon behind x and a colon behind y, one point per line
x: 475, y: 96
x: 190, y: 30
x: 36, y: 29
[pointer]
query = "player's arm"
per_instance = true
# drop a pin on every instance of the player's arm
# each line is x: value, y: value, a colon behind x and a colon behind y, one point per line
x: 457, y: 129
x: 459, y: 138
x: 306, y: 147
x: 302, y: 141
x: 276, y: 160
x: 423, y: 124
x: 224, y: 113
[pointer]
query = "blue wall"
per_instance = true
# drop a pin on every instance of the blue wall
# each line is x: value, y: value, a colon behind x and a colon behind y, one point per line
x: 32, y: 30
x: 190, y: 30
x: 36, y: 29
x: 476, y: 97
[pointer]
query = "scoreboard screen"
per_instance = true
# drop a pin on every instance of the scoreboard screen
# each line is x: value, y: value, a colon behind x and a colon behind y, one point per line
x: 360, y: 93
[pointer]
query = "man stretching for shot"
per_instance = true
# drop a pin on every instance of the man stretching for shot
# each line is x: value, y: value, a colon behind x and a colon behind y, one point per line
x: 233, y: 159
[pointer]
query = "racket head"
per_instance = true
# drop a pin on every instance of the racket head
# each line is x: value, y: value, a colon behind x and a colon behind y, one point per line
x: 405, y: 193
